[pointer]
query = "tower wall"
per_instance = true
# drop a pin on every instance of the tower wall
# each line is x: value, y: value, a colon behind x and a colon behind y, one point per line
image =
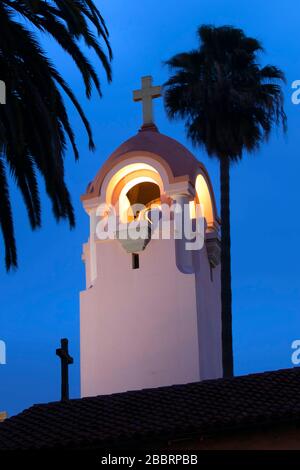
x: 148, y: 327
x: 138, y: 326
x: 208, y: 301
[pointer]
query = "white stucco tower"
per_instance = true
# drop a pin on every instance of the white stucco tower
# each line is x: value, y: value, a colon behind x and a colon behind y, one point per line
x: 150, y: 315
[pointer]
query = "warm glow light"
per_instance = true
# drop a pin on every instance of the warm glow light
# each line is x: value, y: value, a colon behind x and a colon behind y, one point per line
x: 122, y: 181
x: 126, y: 170
x: 192, y: 209
x: 135, y: 173
x: 204, y: 198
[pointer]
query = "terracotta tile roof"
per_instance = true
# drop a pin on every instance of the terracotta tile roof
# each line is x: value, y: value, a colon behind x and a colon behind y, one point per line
x: 157, y: 415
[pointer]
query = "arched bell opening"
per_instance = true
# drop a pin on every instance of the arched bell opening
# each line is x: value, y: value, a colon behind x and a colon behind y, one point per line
x: 137, y: 198
x: 133, y: 190
x: 204, y: 201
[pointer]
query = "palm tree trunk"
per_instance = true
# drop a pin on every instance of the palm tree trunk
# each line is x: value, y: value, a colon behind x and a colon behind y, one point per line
x: 226, y: 296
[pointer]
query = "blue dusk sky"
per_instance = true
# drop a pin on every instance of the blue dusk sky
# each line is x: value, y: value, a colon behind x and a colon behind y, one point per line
x: 40, y: 301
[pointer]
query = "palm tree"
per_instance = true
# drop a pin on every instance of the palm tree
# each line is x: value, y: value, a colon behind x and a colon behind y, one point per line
x: 34, y: 123
x: 230, y: 103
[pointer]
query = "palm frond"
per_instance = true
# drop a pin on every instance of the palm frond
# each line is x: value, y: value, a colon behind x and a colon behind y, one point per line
x: 34, y: 124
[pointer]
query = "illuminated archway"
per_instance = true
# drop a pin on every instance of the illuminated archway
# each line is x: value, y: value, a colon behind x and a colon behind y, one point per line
x: 127, y: 198
x: 204, y: 198
x: 125, y: 180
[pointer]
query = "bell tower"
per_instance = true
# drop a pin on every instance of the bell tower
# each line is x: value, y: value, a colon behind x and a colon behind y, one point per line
x: 150, y: 314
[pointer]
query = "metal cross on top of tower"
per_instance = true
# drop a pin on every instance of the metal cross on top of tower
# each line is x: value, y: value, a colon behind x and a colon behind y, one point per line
x: 147, y: 93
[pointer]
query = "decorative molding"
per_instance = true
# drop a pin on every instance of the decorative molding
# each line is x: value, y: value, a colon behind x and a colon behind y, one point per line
x: 90, y: 203
x: 182, y: 188
x: 213, y: 246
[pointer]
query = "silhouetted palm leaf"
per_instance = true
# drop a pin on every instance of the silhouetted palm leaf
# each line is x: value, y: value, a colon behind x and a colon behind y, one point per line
x: 34, y: 123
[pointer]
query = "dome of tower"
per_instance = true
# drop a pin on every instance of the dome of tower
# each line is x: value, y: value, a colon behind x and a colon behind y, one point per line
x: 153, y: 157
x: 177, y: 160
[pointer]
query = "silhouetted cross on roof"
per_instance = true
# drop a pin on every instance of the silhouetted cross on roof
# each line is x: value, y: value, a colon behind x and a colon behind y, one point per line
x: 66, y: 360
